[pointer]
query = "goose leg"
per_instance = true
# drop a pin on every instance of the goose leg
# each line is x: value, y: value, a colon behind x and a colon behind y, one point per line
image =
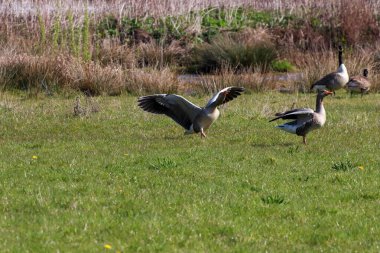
x: 203, y: 133
x: 304, y: 140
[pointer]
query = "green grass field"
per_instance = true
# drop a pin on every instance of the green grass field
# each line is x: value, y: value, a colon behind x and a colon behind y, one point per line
x: 132, y: 181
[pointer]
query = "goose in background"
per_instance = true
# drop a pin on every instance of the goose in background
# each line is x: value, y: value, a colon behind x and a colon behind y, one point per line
x: 359, y: 83
x: 190, y: 116
x: 305, y: 119
x: 78, y: 109
x: 335, y: 80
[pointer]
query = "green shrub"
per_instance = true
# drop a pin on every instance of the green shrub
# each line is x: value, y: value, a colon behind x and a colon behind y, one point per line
x: 282, y: 66
x: 107, y: 27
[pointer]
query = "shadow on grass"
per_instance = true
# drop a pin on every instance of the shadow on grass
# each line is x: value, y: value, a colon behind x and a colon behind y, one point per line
x: 268, y: 145
x: 175, y: 137
x: 160, y: 137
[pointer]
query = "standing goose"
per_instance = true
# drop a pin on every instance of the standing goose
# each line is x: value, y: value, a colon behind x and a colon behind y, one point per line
x: 306, y: 119
x: 190, y: 116
x: 335, y: 80
x: 359, y: 83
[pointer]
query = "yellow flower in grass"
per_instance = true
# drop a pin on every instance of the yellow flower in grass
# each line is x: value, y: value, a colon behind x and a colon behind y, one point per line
x: 34, y: 157
x: 361, y: 167
x: 107, y: 246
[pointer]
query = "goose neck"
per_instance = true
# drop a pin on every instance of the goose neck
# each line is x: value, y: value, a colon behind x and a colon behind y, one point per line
x: 342, y: 69
x: 319, y: 105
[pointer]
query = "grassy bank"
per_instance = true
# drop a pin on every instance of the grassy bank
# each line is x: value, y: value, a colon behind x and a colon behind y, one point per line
x: 133, y: 181
x: 46, y: 46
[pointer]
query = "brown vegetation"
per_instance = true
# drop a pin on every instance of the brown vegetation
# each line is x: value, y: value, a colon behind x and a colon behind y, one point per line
x: 44, y: 49
x: 46, y: 73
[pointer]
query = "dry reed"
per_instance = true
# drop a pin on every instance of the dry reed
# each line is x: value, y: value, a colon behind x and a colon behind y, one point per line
x: 42, y: 44
x: 157, y: 8
x: 45, y: 73
x: 143, y: 81
x: 210, y: 84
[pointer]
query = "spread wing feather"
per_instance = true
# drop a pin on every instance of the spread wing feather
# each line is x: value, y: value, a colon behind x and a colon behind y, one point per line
x: 230, y: 93
x: 302, y: 113
x: 176, y: 107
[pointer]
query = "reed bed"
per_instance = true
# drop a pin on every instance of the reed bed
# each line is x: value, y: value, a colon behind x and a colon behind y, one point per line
x: 170, y: 7
x: 110, y: 47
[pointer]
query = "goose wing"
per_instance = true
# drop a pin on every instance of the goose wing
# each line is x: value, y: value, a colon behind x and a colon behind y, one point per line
x: 305, y: 126
x: 225, y: 95
x: 325, y: 81
x: 302, y: 114
x: 176, y: 107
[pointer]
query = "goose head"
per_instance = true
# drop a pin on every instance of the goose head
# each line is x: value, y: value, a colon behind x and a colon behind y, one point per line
x: 319, y: 103
x: 365, y: 72
x: 323, y: 93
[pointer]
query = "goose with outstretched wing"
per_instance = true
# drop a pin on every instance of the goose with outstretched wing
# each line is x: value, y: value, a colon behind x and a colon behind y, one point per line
x: 305, y: 119
x: 190, y: 116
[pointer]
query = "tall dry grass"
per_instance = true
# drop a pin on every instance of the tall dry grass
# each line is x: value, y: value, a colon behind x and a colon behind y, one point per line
x: 250, y: 49
x: 49, y: 44
x: 90, y: 77
x: 116, y: 55
x: 157, y: 8
x: 210, y: 84
x: 141, y: 81
x: 157, y: 55
x: 46, y: 74
x: 356, y: 20
x: 27, y: 72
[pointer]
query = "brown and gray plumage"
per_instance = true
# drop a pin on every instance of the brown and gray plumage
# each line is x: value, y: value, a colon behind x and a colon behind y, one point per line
x: 359, y: 83
x: 335, y: 80
x: 190, y: 116
x: 306, y: 119
x: 78, y: 110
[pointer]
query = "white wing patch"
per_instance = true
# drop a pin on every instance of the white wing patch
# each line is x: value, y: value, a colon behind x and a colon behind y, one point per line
x: 290, y: 128
x: 215, y: 97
